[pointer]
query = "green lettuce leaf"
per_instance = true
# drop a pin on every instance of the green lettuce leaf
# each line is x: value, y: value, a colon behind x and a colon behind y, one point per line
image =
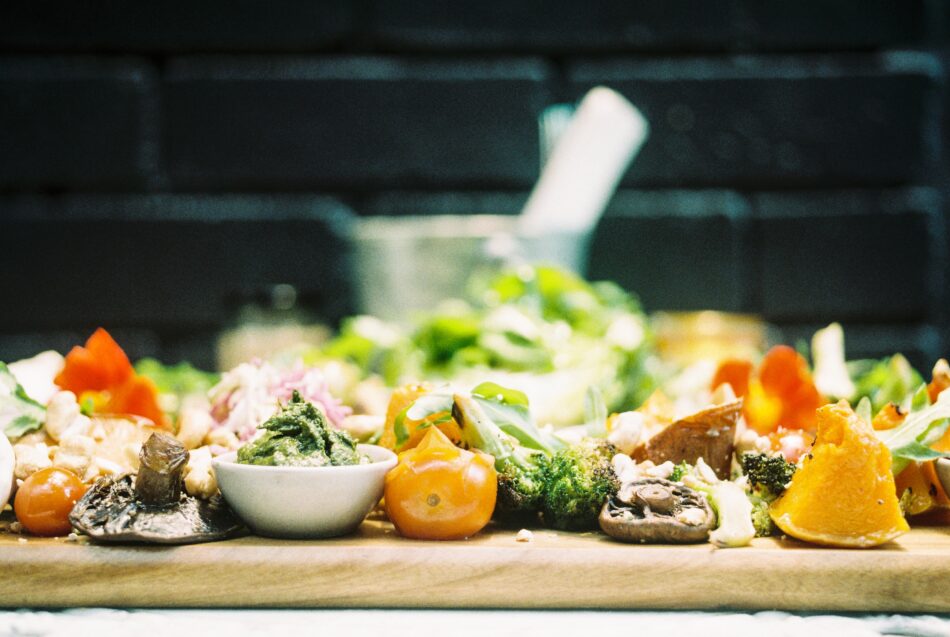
x: 19, y: 414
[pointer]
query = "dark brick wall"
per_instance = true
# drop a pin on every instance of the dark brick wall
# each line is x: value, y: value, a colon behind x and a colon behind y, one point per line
x: 162, y: 165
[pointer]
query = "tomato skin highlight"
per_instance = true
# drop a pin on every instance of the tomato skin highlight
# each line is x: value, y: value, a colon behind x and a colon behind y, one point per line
x: 441, y: 492
x: 44, y: 500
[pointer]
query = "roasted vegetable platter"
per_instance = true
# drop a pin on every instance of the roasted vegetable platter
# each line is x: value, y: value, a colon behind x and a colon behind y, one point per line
x: 531, y: 447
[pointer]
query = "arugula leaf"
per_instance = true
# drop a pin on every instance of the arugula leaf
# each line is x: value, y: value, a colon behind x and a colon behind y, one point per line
x: 506, y: 407
x: 19, y: 414
x: 922, y: 427
x: 918, y: 452
x: 494, y: 391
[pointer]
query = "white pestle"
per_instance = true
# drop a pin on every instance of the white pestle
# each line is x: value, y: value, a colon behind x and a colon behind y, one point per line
x: 585, y: 166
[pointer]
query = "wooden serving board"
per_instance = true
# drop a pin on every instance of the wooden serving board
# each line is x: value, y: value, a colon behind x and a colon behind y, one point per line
x: 376, y: 568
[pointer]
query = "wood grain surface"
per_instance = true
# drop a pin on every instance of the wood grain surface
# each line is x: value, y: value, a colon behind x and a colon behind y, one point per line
x: 376, y: 568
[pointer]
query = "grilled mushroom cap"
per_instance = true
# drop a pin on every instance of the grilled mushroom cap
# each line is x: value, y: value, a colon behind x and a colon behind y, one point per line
x: 657, y: 511
x: 152, y: 506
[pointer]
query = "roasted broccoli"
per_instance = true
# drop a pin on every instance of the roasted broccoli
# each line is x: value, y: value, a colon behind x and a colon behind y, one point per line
x: 576, y: 483
x: 769, y: 474
x: 520, y: 479
x: 679, y: 471
x: 761, y: 520
x: 520, y: 484
x: 768, y: 477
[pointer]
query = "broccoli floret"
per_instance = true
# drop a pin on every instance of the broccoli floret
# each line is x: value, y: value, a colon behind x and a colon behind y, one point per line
x: 771, y: 474
x: 520, y: 477
x: 576, y: 483
x: 761, y: 520
x: 520, y: 484
x: 519, y: 493
x: 679, y: 471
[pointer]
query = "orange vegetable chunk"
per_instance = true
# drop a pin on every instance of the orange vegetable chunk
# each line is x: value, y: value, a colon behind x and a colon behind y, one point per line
x: 784, y: 375
x: 138, y: 395
x: 844, y: 492
x: 736, y: 372
x: 102, y: 371
x: 402, y: 398
x: 98, y: 366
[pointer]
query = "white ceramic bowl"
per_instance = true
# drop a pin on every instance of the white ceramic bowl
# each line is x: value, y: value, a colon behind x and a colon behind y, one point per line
x: 304, y: 502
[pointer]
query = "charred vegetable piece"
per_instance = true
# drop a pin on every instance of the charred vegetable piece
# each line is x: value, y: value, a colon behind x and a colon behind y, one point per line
x: 152, y: 507
x: 576, y: 482
x: 161, y: 463
x: 772, y: 473
x: 708, y: 434
x: 657, y: 511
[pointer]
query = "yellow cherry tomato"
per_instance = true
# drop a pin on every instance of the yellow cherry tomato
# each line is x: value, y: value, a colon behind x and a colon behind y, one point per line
x: 441, y: 492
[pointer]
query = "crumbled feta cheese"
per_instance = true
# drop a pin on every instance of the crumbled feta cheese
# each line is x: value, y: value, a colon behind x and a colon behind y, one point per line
x: 626, y: 430
x: 524, y: 535
x: 663, y: 471
x: 691, y: 516
x: 199, y: 476
x: 30, y: 459
x: 625, y: 468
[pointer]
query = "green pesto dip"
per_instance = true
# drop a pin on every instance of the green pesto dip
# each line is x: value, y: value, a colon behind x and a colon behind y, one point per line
x: 299, y: 436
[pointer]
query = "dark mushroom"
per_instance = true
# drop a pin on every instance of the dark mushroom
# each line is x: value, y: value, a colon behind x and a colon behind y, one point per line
x: 151, y: 507
x: 657, y: 511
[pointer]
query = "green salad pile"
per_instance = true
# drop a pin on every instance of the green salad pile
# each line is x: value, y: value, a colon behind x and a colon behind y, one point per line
x: 539, y: 328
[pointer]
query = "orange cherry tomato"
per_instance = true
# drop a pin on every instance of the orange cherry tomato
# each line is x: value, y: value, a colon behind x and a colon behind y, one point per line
x: 413, y: 430
x: 441, y: 492
x: 44, y: 500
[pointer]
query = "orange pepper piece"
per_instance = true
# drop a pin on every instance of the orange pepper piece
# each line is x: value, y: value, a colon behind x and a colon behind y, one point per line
x: 736, y: 372
x: 102, y: 369
x: 98, y: 366
x: 940, y: 379
x: 784, y: 373
x: 139, y: 396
